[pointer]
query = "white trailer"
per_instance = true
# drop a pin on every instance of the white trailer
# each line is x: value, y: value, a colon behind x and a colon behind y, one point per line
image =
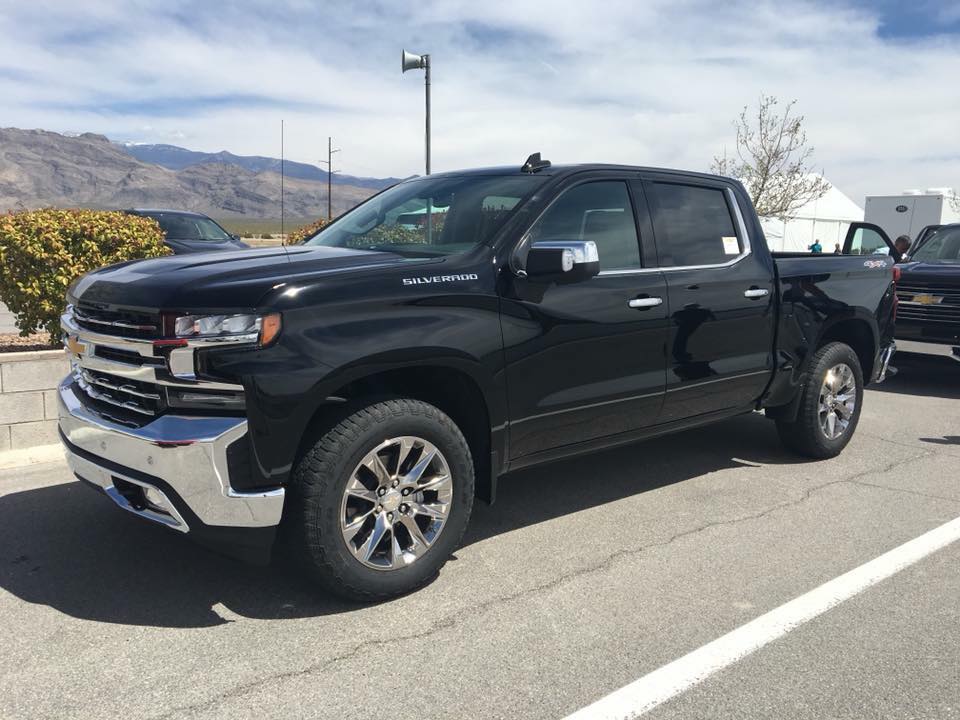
x: 911, y: 212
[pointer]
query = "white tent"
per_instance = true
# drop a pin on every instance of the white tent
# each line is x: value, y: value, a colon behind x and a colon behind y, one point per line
x: 825, y: 219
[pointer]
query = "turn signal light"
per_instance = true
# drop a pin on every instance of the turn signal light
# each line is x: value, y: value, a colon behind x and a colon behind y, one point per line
x: 269, y: 328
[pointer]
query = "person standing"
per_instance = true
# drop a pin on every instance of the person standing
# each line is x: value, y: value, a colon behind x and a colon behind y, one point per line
x: 902, y: 244
x: 816, y: 248
x: 837, y: 250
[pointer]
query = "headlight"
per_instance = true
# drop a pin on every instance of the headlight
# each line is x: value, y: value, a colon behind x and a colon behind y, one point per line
x: 261, y: 329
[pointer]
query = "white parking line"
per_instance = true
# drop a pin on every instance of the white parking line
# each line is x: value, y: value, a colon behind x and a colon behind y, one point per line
x: 657, y: 687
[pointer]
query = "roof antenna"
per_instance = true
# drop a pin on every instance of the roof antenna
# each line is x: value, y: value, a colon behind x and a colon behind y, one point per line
x: 534, y: 164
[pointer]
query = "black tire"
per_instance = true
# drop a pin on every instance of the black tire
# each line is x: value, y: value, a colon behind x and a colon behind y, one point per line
x: 805, y: 435
x: 311, y: 527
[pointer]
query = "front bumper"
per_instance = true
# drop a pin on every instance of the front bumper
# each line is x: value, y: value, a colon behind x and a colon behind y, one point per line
x: 182, y: 458
x: 948, y: 350
x: 924, y: 331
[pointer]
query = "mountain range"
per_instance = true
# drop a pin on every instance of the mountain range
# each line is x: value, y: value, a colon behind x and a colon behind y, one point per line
x: 178, y: 158
x: 39, y: 168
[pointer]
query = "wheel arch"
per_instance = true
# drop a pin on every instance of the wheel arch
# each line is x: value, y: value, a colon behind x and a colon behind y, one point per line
x: 458, y: 390
x: 859, y: 333
x: 855, y: 330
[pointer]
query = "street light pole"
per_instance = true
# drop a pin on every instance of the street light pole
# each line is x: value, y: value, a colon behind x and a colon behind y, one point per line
x: 410, y: 61
x: 426, y: 80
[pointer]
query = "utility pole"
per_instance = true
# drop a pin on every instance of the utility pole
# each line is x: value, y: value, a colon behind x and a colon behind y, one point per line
x: 282, y: 239
x: 330, y: 171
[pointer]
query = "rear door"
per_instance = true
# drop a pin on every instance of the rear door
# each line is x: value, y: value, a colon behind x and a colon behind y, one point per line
x: 721, y: 291
x: 868, y: 239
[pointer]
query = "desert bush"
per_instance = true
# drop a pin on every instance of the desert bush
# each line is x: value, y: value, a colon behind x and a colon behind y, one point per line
x: 43, y: 251
x: 295, y: 237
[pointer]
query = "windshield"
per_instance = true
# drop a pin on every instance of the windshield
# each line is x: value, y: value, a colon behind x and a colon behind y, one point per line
x: 431, y: 216
x: 189, y: 227
x: 943, y: 246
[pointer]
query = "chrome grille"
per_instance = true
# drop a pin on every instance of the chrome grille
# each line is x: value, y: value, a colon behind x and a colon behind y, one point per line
x: 139, y: 397
x: 120, y: 322
x: 944, y: 308
x: 134, y: 380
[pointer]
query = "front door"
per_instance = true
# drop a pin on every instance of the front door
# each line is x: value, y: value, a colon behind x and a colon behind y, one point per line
x: 721, y: 292
x: 585, y: 360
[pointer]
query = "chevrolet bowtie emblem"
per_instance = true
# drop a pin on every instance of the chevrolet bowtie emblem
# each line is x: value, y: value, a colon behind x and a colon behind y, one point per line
x: 75, y: 346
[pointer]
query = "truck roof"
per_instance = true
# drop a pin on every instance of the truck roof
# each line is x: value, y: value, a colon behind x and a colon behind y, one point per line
x: 559, y: 170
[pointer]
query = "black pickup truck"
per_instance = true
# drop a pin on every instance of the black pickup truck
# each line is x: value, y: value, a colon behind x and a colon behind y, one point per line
x: 928, y: 317
x: 350, y: 397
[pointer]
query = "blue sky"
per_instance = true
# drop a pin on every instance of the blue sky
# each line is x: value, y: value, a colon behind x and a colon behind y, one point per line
x: 918, y: 19
x: 657, y: 82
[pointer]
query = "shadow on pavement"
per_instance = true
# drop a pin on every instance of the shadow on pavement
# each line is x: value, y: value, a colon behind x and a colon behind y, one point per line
x: 945, y: 440
x: 925, y: 375
x: 67, y: 547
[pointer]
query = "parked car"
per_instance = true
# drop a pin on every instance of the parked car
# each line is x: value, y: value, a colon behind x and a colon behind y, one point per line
x: 356, y: 392
x: 190, y: 232
x: 929, y: 292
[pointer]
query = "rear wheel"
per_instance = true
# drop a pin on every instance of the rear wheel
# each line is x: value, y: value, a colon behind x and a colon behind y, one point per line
x: 829, y: 405
x: 381, y: 500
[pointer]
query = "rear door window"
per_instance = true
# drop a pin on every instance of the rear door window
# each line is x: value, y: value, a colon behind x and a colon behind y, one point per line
x: 695, y: 225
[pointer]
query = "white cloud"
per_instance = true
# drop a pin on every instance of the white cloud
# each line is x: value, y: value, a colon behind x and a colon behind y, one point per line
x: 655, y: 83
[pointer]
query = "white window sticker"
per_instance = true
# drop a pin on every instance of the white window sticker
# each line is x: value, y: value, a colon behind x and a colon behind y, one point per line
x: 730, y: 246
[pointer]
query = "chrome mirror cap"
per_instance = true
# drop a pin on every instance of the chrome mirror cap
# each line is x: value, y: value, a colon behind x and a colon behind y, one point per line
x: 562, y: 260
x: 579, y: 251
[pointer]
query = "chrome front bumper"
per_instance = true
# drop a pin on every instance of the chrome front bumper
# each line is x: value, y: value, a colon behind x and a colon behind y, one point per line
x: 183, y: 458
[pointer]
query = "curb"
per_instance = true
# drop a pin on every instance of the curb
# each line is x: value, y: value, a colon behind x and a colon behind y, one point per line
x: 31, y: 456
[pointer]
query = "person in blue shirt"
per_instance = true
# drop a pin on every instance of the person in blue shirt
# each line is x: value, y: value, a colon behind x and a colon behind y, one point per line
x: 816, y: 247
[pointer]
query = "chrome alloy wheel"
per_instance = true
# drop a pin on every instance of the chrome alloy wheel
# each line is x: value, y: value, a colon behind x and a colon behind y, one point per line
x: 396, y: 503
x: 838, y: 401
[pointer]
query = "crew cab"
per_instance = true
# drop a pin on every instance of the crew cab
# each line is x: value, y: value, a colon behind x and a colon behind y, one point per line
x: 342, y: 402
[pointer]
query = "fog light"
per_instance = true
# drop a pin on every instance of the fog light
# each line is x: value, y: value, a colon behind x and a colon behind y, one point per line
x: 155, y: 498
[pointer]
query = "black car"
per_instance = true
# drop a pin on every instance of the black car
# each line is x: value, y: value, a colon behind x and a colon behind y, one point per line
x: 190, y: 232
x: 354, y: 393
x: 929, y: 291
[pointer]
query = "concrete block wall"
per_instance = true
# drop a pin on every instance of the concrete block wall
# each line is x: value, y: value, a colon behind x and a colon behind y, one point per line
x: 28, y: 402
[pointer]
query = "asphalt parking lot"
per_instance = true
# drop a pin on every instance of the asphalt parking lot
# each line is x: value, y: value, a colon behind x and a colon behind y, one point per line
x: 585, y: 576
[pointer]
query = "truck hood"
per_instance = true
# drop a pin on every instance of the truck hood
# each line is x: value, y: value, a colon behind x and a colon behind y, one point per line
x: 921, y: 272
x: 216, y: 280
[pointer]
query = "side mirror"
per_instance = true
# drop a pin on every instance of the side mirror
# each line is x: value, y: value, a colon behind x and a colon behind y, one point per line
x: 562, y: 261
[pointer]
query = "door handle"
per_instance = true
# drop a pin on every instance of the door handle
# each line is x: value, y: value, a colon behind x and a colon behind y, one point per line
x: 645, y: 303
x: 754, y: 293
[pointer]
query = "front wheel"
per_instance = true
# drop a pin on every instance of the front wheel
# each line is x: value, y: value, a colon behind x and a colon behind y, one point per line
x: 381, y: 500
x: 830, y: 404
